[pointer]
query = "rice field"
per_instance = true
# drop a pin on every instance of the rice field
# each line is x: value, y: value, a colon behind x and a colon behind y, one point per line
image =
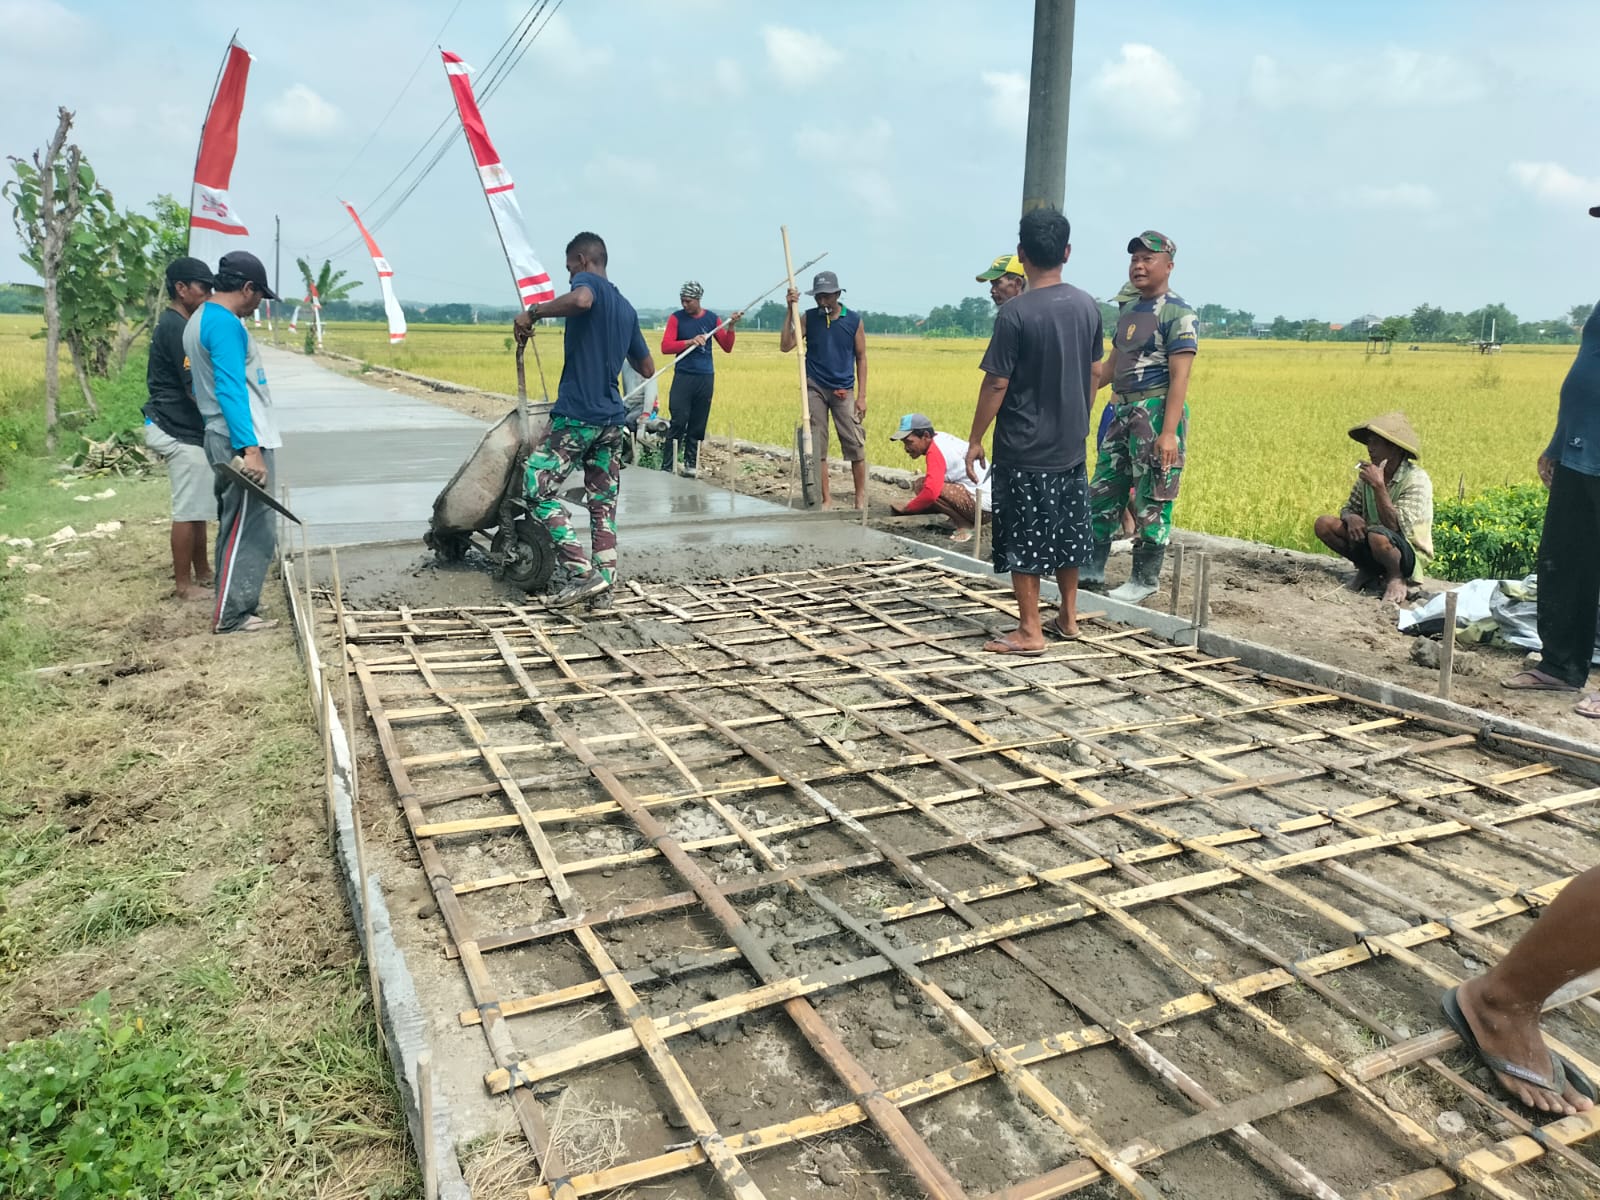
x: 1267, y: 447
x: 1267, y: 443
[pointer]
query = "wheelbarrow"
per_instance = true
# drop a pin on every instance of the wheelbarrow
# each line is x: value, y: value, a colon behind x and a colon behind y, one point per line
x: 488, y: 494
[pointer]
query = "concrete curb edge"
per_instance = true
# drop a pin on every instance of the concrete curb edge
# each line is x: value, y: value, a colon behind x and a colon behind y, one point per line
x: 399, y: 1010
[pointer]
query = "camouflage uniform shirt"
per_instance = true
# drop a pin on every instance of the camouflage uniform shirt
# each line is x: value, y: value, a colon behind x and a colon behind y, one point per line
x: 1148, y: 331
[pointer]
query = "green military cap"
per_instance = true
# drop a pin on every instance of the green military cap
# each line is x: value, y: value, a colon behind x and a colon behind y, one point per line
x: 1151, y: 240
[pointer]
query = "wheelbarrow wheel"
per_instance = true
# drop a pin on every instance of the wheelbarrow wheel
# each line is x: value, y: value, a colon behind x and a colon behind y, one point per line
x: 530, y: 557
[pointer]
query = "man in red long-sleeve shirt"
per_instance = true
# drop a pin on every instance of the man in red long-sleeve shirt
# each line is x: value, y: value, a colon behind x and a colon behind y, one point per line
x: 692, y: 329
x: 945, y: 486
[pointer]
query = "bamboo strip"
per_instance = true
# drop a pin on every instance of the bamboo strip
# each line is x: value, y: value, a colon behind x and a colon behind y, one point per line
x: 914, y: 1152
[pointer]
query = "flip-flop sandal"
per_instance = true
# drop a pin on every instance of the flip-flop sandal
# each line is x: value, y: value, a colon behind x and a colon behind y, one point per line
x: 961, y: 536
x: 1053, y: 630
x: 256, y: 625
x: 1005, y: 646
x: 1535, y: 681
x: 1589, y: 706
x: 1562, y: 1072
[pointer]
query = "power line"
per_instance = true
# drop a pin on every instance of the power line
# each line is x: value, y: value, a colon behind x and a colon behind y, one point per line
x: 506, y: 57
x: 410, y: 79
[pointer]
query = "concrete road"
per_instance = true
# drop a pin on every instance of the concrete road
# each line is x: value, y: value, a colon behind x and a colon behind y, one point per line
x: 362, y: 464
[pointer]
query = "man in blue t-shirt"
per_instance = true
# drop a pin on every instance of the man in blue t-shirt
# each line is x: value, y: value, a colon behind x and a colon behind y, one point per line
x: 836, y: 377
x: 689, y: 333
x: 587, y: 422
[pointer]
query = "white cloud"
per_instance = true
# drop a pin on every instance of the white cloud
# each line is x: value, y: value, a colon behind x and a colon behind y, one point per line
x: 800, y: 59
x: 33, y: 26
x: 300, y: 113
x: 1394, y: 77
x: 1145, y: 92
x: 1008, y: 100
x: 1405, y: 197
x: 558, y: 47
x: 728, y: 77
x: 1555, y: 184
x: 858, y: 157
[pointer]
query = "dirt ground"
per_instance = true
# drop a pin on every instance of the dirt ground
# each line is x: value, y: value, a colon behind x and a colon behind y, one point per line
x: 1283, y: 599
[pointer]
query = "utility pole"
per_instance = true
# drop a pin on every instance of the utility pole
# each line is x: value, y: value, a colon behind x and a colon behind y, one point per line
x: 1044, y: 172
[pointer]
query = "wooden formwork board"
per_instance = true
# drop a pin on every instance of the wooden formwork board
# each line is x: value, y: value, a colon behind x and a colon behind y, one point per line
x: 832, y: 898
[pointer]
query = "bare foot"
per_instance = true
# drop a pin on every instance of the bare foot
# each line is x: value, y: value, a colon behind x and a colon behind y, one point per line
x: 1394, y: 591
x: 962, y: 535
x: 1515, y: 1037
x: 196, y: 593
x: 205, y: 580
x: 1362, y: 580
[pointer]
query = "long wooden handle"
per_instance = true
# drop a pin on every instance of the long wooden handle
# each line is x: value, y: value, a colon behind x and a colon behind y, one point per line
x: 799, y: 353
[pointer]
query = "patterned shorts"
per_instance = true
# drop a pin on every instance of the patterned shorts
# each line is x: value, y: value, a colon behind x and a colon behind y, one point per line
x: 1041, y: 521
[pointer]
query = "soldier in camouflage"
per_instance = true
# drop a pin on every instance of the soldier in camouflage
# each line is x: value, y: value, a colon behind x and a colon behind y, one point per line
x: 1152, y: 353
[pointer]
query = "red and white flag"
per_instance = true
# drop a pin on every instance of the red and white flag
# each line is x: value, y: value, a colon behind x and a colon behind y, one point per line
x: 391, y: 306
x: 214, y: 226
x: 533, y: 281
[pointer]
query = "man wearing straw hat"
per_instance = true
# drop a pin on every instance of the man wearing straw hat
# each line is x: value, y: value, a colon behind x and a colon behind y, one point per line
x: 1386, y: 526
x: 836, y: 377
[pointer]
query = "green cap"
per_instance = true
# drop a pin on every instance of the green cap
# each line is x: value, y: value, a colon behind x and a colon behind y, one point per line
x: 1006, y: 264
x: 1151, y: 240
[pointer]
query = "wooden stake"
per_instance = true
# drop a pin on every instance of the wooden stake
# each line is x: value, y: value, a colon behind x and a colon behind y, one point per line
x: 808, y: 457
x: 1202, y: 606
x: 1447, y: 644
x: 977, y: 525
x: 430, y: 1169
x: 1177, y: 578
x: 366, y: 906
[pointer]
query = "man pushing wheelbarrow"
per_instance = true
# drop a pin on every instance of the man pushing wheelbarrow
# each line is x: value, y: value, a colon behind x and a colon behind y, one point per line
x: 588, y: 420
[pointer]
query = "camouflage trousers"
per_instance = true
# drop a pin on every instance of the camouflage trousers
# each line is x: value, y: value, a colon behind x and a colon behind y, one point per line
x: 599, y: 449
x: 1129, y: 463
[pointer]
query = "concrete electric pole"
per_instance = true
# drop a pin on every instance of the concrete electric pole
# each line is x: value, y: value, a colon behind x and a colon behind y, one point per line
x: 1044, y: 172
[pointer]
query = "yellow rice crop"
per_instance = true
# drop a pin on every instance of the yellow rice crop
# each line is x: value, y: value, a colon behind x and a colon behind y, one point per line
x: 1267, y: 444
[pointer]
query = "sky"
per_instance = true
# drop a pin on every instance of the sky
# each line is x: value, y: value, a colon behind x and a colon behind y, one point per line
x: 1309, y: 160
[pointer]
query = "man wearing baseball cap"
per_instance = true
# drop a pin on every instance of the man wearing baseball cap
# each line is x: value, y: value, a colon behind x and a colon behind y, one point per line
x: 689, y: 332
x: 945, y: 487
x: 1568, y: 565
x: 230, y: 390
x: 836, y: 377
x: 1152, y: 354
x: 174, y: 431
x: 1005, y: 279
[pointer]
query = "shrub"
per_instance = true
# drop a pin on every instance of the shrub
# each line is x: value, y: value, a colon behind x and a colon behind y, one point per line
x: 113, y: 1108
x: 1493, y: 535
x: 121, y: 398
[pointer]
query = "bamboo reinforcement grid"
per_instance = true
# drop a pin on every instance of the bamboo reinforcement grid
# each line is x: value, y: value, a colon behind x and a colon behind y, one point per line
x: 818, y: 895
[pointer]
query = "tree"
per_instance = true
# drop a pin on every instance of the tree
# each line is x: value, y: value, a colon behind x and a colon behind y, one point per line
x: 1396, y: 329
x: 1579, y: 314
x: 46, y: 199
x: 326, y: 281
x: 168, y: 239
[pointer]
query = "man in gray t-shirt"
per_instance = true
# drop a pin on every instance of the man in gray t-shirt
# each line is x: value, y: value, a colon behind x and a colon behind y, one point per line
x: 1038, y: 387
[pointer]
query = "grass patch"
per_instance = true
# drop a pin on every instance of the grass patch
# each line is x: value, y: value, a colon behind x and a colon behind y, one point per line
x: 161, y: 842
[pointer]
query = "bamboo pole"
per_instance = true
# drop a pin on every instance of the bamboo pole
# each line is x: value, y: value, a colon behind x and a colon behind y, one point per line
x: 1447, y: 644
x: 1177, y: 579
x: 808, y: 456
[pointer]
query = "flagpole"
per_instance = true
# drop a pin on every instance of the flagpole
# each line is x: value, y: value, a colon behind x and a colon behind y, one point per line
x: 200, y: 142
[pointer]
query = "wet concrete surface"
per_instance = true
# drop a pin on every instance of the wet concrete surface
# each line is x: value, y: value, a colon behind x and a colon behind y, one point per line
x: 362, y: 465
